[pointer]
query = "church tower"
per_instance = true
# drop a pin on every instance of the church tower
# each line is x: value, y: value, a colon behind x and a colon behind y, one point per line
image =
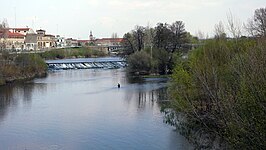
x: 91, y: 36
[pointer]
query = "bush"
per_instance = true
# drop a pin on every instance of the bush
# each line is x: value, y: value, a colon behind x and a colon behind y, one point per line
x: 31, y: 63
x: 71, y: 52
x: 139, y: 63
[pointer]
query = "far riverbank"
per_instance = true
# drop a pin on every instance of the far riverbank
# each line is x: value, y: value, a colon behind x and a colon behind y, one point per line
x: 20, y: 67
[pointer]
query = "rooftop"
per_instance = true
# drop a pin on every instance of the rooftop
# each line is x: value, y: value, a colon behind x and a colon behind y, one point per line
x: 20, y: 29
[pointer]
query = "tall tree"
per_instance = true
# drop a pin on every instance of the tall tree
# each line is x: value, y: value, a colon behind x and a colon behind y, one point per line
x: 178, y: 35
x: 138, y: 35
x: 134, y: 40
x: 162, y: 36
x: 219, y: 31
x: 170, y: 38
x: 3, y: 33
x: 148, y: 37
x: 128, y: 44
x: 257, y: 25
x: 234, y: 26
x: 260, y: 21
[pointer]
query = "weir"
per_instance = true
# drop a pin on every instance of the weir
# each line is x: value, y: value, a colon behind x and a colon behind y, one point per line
x: 86, y: 63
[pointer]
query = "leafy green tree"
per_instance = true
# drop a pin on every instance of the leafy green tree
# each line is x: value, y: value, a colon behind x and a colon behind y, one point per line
x: 172, y: 39
x: 161, y: 42
x: 128, y: 44
x: 134, y: 41
x: 139, y: 63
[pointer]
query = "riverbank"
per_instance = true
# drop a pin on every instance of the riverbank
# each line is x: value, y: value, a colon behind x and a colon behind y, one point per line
x: 69, y: 53
x: 22, y: 67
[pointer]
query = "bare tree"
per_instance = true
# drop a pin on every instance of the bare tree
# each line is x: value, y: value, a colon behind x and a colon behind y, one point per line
x: 3, y: 34
x: 201, y: 35
x: 148, y: 39
x: 250, y: 27
x: 234, y: 26
x: 114, y: 36
x: 219, y: 31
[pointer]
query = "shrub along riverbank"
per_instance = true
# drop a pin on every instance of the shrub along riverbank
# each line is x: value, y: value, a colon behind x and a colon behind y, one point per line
x: 21, y: 67
x: 82, y: 52
x: 221, y: 90
x: 14, y: 67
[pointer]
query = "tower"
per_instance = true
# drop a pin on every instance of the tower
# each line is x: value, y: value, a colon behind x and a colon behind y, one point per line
x: 91, y: 36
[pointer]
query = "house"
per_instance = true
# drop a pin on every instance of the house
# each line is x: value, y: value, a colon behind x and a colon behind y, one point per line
x: 45, y: 41
x: 14, y: 38
x: 12, y: 41
x: 31, y: 42
x: 39, y: 41
x: 85, y: 43
x: 70, y: 42
x: 23, y: 31
x: 108, y: 41
x: 102, y: 42
x: 60, y: 42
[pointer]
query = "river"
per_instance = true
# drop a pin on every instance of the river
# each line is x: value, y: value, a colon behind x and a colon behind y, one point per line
x: 84, y: 109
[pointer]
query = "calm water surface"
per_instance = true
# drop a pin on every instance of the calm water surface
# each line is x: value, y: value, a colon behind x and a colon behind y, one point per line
x: 83, y: 109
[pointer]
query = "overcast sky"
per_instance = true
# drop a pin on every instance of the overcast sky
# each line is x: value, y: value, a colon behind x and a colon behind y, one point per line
x: 75, y: 18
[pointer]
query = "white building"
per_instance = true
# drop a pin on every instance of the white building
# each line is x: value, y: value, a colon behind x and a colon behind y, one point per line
x: 60, y: 42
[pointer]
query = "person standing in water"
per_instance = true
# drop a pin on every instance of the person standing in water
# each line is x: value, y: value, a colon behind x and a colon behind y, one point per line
x: 118, y: 85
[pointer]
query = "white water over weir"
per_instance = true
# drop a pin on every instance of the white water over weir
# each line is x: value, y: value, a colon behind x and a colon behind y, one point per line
x: 87, y: 63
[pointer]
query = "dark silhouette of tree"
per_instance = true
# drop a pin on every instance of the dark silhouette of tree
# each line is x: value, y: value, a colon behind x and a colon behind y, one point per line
x: 170, y: 38
x: 257, y: 25
x: 260, y: 21
x: 178, y: 35
x: 162, y: 38
x: 138, y: 35
x: 134, y: 40
x: 128, y: 44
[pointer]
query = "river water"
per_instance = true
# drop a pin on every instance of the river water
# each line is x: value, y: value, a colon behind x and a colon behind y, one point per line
x: 84, y: 109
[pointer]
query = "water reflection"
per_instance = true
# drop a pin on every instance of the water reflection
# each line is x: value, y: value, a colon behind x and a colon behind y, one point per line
x: 17, y: 95
x: 6, y: 98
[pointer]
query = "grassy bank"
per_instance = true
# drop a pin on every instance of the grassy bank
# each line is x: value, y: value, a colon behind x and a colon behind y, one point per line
x: 82, y: 52
x: 21, y: 67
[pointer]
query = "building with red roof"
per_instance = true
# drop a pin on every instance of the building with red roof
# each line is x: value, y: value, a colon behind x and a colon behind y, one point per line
x: 23, y: 31
x: 108, y: 41
x: 101, y: 42
x: 12, y: 40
